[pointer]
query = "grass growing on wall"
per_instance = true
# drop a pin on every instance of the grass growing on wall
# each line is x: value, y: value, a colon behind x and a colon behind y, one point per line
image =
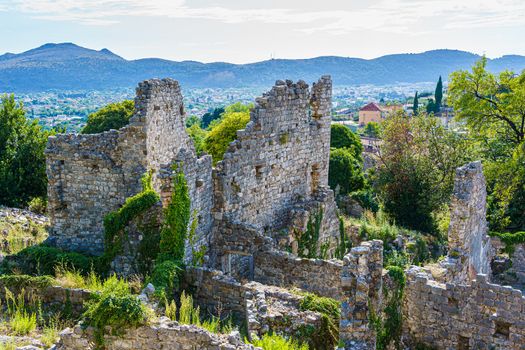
x: 277, y: 342
x: 510, y: 239
x: 326, y: 336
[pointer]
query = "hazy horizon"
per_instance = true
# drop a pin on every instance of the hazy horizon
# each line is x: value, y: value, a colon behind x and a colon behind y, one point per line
x: 244, y: 31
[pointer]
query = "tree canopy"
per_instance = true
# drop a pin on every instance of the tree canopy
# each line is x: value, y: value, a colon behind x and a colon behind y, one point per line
x: 22, y: 160
x: 345, y: 171
x: 493, y: 109
x: 208, y: 117
x: 418, y: 159
x: 342, y: 137
x: 113, y: 116
x: 235, y: 117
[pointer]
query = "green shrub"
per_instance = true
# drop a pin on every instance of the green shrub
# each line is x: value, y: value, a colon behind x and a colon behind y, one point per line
x: 277, y: 342
x: 38, y: 205
x: 43, y: 260
x: 116, y: 307
x: 20, y: 282
x: 327, y: 335
x: 224, y: 132
x: 166, y: 276
x: 510, y: 239
x: 308, y: 241
x: 367, y: 199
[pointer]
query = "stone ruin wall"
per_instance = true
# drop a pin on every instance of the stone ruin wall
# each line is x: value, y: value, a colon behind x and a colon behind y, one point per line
x: 91, y: 175
x: 470, y: 249
x: 459, y: 316
x: 362, y: 284
x: 280, y: 160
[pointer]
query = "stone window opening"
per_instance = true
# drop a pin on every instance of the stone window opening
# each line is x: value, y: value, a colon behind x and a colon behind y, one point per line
x: 258, y: 172
x: 502, y: 329
x: 181, y: 109
x: 463, y: 343
x: 315, y: 177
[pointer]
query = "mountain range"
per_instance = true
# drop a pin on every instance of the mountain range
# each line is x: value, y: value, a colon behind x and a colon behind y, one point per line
x: 67, y: 66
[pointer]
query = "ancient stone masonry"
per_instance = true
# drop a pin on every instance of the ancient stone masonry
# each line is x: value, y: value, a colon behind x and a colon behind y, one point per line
x: 91, y: 175
x: 479, y: 315
x: 274, y: 176
x: 280, y: 161
x: 163, y: 334
x: 470, y: 250
x: 361, y: 281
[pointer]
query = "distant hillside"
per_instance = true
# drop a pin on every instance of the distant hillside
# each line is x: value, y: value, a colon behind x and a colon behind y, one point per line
x: 71, y: 67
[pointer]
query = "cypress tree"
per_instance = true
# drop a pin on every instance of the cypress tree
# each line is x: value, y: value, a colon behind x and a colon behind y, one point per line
x: 438, y: 95
x: 416, y: 104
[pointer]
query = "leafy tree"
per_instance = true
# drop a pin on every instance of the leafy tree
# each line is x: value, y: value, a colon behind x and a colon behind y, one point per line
x: 113, y: 116
x: 416, y: 104
x: 372, y: 129
x: 438, y: 95
x: 235, y: 117
x: 342, y: 137
x: 415, y: 176
x: 431, y: 106
x: 208, y: 117
x: 198, y: 136
x: 493, y: 109
x: 192, y: 120
x: 345, y: 171
x: 22, y: 160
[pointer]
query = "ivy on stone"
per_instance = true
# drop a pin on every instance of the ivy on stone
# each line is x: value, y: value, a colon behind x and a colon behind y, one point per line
x: 116, y: 221
x: 177, y: 218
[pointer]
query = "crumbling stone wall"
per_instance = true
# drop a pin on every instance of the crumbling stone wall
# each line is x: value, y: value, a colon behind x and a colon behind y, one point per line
x: 164, y: 334
x: 479, y: 315
x: 91, y: 175
x: 470, y: 249
x: 361, y: 280
x: 280, y: 160
x: 282, y: 269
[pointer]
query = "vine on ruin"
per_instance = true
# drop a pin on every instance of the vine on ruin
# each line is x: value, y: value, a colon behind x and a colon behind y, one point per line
x: 177, y: 218
x: 326, y: 335
x: 388, y: 324
x: 116, y: 221
x: 510, y: 239
x: 309, y: 240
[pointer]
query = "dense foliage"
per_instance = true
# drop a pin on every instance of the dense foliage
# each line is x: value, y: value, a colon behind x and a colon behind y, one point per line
x: 346, y: 162
x: 22, y: 161
x: 345, y: 171
x: 116, y: 221
x: 342, y: 137
x: 43, y: 260
x: 372, y: 129
x: 209, y: 117
x: 234, y: 118
x: 177, y: 218
x: 326, y: 336
x: 415, y: 176
x: 115, y: 307
x: 113, y: 116
x: 493, y: 109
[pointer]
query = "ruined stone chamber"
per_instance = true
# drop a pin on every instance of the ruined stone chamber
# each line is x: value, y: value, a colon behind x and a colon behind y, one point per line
x: 274, y: 178
x: 272, y: 181
x: 92, y: 175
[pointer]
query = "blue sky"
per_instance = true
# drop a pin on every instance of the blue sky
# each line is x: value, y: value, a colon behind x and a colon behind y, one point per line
x: 245, y: 31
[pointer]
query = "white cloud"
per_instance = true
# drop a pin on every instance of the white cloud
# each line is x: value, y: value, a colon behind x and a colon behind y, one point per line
x: 403, y: 16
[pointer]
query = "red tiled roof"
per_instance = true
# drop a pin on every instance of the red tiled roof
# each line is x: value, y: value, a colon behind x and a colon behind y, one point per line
x: 371, y: 107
